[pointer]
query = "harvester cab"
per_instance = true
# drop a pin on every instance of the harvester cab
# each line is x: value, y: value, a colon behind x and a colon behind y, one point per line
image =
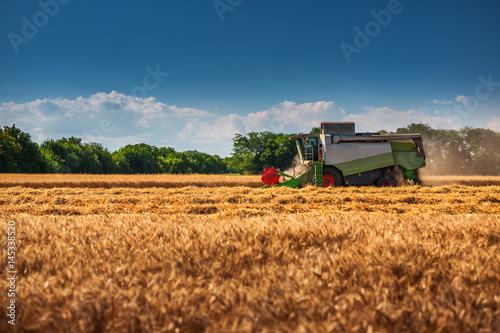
x: 339, y: 156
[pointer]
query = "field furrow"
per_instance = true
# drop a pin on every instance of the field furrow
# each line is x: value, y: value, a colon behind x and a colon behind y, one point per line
x: 231, y: 201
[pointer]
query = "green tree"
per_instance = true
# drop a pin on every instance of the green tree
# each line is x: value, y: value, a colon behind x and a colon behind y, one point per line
x: 52, y: 161
x: 9, y: 150
x: 99, y: 158
x: 481, y: 147
x: 421, y: 128
x: 122, y: 163
x: 315, y: 130
x: 140, y: 158
x: 174, y: 163
x: 70, y: 155
x: 204, y: 163
x: 279, y: 152
x: 28, y: 158
x: 252, y: 153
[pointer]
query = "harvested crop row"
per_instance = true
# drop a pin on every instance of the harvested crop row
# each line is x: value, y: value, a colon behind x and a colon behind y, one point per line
x: 348, y: 272
x: 244, y: 201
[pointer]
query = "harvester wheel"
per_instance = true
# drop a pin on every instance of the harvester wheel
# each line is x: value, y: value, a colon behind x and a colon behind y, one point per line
x: 328, y: 181
x: 332, y: 177
x: 386, y: 182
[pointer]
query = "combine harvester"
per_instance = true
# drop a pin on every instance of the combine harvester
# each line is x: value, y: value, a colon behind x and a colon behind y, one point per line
x: 339, y: 156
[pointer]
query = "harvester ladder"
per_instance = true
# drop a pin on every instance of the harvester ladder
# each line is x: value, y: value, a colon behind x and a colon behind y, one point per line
x: 318, y: 173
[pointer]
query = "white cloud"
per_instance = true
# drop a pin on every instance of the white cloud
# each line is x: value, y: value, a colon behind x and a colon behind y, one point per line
x: 115, y: 119
x: 285, y: 117
x: 441, y: 102
x: 494, y: 124
x: 461, y: 99
x: 291, y: 117
x: 374, y: 119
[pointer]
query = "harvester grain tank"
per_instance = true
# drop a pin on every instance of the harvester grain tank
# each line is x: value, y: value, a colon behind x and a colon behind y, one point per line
x: 339, y: 156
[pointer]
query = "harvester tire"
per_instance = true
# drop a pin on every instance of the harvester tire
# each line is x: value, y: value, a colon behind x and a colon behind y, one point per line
x: 332, y: 177
x: 386, y: 182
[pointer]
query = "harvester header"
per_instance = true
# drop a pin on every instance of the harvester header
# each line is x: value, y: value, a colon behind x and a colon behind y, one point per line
x: 339, y: 156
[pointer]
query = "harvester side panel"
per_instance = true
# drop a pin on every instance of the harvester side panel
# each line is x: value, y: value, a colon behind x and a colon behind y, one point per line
x: 406, y: 155
x: 366, y: 164
x: 347, y: 152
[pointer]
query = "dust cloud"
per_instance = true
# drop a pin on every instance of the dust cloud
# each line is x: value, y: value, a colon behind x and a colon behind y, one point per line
x: 297, y: 167
x: 441, y: 161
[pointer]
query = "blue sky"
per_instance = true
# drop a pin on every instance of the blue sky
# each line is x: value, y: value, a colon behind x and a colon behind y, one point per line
x: 98, y: 70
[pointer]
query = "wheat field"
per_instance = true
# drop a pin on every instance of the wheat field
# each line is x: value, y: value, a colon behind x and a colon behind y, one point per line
x: 137, y: 181
x: 200, y: 257
x: 173, y: 181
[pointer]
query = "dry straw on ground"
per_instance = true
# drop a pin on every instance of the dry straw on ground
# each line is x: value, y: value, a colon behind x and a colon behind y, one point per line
x: 244, y: 201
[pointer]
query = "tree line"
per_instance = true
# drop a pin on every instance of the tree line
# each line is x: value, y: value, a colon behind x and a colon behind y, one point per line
x: 19, y: 154
x: 468, y: 151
